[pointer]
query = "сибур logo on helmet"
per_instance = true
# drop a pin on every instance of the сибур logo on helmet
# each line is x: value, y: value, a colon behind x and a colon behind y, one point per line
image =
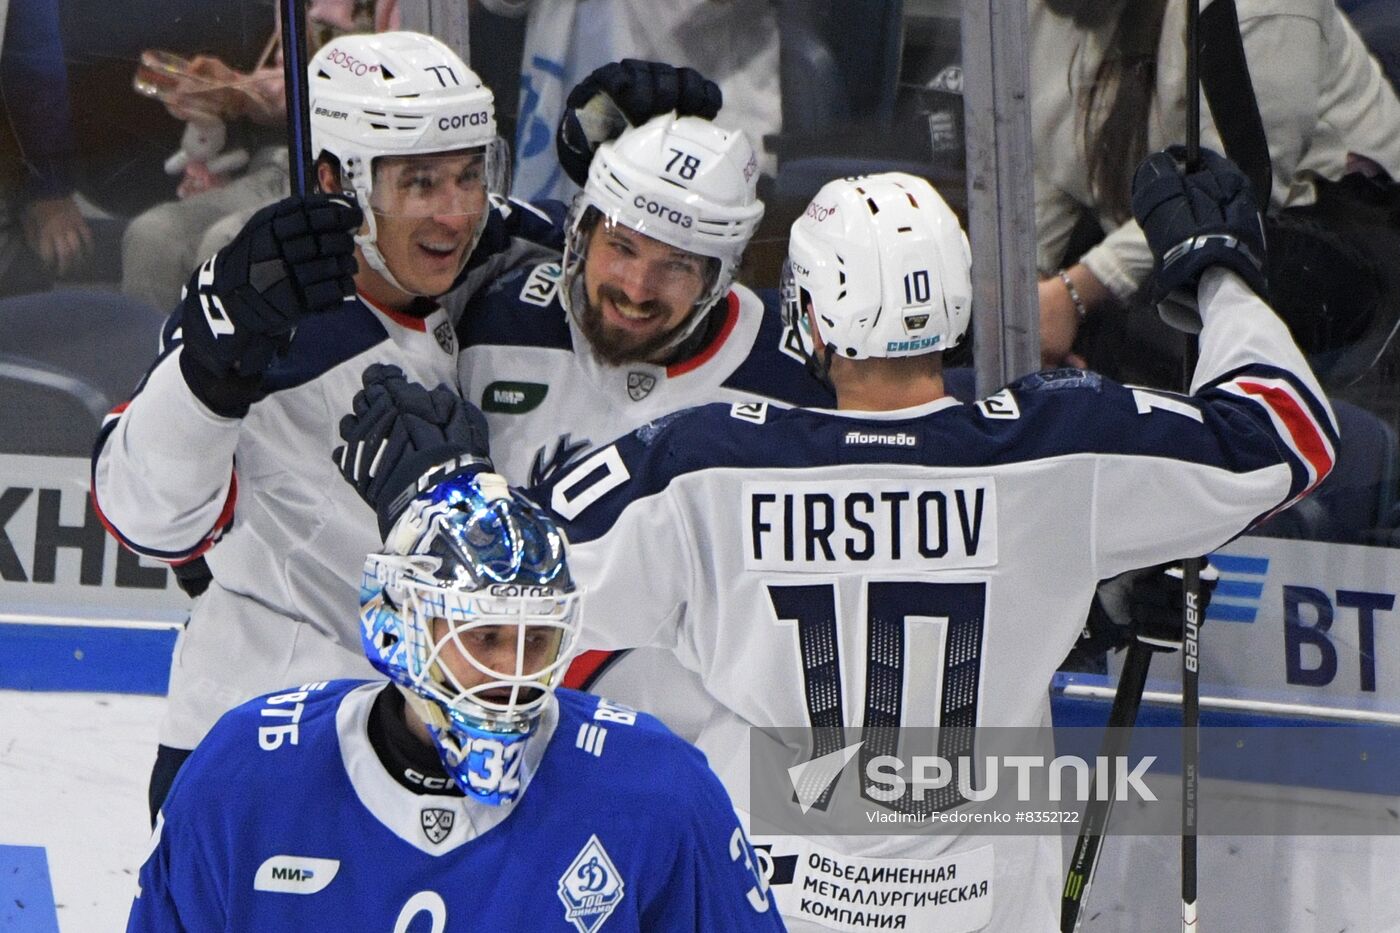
x: 923, y: 343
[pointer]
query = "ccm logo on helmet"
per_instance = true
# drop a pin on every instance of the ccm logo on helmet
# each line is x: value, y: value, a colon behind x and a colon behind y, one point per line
x: 819, y: 212
x: 350, y: 63
x: 515, y: 589
x: 662, y: 211
x: 480, y: 118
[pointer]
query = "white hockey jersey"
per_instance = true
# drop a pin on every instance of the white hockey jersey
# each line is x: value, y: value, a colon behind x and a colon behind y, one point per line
x: 547, y: 402
x: 259, y: 498
x: 778, y: 553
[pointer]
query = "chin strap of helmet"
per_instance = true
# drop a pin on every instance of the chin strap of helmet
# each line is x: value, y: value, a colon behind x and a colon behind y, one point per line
x: 368, y: 242
x: 691, y: 333
x: 818, y: 362
x: 820, y: 366
x: 700, y: 329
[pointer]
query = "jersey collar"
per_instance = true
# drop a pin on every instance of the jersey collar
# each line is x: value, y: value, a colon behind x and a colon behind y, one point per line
x: 400, y: 809
x: 731, y: 318
x: 897, y: 414
x: 406, y: 321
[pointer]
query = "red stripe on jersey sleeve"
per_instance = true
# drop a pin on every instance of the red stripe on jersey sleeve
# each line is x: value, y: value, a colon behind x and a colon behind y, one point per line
x: 585, y: 668
x: 220, y: 525
x: 1304, y: 434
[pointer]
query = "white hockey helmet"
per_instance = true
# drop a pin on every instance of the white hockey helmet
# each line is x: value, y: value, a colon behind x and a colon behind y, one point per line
x: 398, y: 94
x: 885, y: 266
x: 473, y: 577
x: 681, y: 180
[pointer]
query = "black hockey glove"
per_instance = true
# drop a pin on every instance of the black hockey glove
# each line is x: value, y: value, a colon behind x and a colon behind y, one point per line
x: 1148, y: 605
x: 623, y: 94
x: 402, y: 438
x: 241, y: 307
x: 1194, y: 220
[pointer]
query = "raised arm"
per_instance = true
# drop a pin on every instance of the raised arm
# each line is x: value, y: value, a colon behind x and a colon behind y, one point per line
x: 163, y: 467
x: 1257, y: 433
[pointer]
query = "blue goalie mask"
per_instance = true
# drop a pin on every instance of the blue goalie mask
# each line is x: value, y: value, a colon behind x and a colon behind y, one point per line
x: 471, y: 609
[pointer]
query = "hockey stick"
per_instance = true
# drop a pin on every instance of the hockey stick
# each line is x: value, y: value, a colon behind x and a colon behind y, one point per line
x: 294, y: 61
x: 1190, y: 737
x: 1133, y: 678
x: 1190, y: 568
x: 1097, y: 809
x: 1214, y: 57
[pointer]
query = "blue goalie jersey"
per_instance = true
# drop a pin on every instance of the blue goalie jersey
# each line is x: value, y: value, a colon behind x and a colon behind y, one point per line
x: 285, y: 819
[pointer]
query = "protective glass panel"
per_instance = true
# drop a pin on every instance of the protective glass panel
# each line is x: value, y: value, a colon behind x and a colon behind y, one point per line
x: 1297, y: 622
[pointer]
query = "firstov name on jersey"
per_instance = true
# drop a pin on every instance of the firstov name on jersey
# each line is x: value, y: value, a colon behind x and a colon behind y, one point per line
x: 893, y: 523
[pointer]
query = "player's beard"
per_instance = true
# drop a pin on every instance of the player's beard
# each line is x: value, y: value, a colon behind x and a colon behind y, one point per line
x: 614, y: 346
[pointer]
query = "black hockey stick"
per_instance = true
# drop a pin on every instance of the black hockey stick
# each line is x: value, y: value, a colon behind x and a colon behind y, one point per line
x: 1190, y: 568
x: 1121, y: 717
x: 1215, y: 57
x: 294, y: 61
x: 1190, y: 736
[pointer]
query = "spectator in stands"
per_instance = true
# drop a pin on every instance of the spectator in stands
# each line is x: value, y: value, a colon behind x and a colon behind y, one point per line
x: 42, y: 233
x: 732, y: 42
x: 1322, y: 98
x: 1378, y: 24
x: 163, y: 244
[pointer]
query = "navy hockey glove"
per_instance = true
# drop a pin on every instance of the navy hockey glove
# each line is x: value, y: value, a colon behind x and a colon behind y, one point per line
x: 1147, y: 605
x: 402, y: 438
x: 1194, y: 220
x: 241, y: 307
x: 623, y: 94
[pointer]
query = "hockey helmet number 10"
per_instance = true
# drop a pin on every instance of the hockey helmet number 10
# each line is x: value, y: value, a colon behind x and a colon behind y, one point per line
x: 885, y: 266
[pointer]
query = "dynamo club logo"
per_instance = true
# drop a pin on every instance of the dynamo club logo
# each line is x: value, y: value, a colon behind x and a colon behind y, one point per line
x: 591, y: 887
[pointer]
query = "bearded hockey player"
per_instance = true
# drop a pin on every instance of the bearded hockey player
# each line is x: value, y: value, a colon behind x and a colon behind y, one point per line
x: 467, y: 793
x: 642, y: 318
